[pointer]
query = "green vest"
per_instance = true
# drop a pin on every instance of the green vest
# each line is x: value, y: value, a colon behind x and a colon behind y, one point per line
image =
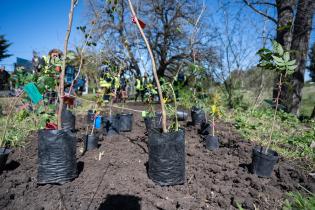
x: 138, y: 84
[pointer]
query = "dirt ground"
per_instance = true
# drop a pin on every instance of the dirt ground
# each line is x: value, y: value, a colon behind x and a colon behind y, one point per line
x: 214, y: 179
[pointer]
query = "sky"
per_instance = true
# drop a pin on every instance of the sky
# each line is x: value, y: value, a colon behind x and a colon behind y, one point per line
x: 38, y: 25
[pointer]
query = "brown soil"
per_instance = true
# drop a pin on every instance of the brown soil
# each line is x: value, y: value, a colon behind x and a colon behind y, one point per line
x: 214, y: 180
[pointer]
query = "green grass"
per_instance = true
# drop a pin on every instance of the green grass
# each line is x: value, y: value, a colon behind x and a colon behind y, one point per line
x: 296, y: 201
x: 291, y: 138
x: 308, y: 99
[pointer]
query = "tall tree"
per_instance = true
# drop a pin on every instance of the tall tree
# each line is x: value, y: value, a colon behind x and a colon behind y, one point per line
x: 294, y: 23
x: 311, y: 67
x: 299, y: 47
x: 172, y: 34
x: 114, y: 30
x: 4, y: 47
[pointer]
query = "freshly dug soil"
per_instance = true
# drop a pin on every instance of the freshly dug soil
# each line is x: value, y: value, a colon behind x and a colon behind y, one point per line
x: 118, y: 180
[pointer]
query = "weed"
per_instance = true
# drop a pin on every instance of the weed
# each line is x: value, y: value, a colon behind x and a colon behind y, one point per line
x: 297, y: 201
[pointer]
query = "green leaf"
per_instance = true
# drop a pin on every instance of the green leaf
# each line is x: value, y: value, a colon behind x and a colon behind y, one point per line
x: 286, y: 56
x: 277, y: 59
x: 290, y: 63
x: 292, y: 68
x: 277, y: 48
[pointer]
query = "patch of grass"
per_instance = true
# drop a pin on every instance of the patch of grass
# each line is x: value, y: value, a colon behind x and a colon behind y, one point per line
x: 291, y: 138
x: 19, y: 128
x: 308, y: 100
x: 296, y: 201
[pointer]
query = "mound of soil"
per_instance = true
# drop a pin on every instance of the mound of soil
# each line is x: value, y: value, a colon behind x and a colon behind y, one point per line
x: 115, y: 177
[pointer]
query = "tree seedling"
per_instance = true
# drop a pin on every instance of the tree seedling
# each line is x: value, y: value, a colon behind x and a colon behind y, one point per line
x: 277, y: 60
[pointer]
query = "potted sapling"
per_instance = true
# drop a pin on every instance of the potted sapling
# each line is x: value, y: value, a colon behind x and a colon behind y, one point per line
x: 197, y: 113
x: 212, y: 141
x: 152, y: 119
x: 126, y: 120
x: 57, y: 146
x: 278, y: 60
x: 91, y: 140
x: 166, y: 164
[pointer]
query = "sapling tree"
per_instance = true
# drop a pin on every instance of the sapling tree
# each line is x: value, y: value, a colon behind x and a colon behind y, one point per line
x: 62, y: 75
x: 153, y: 68
x: 215, y: 111
x: 148, y: 98
x: 277, y: 60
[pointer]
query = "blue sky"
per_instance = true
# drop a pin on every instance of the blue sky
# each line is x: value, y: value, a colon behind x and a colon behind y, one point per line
x: 37, y: 25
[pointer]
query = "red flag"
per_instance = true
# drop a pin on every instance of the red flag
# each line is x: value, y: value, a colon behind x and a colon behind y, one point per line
x: 142, y: 24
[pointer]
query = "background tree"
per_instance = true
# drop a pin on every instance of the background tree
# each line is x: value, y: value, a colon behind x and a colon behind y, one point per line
x: 169, y: 28
x: 311, y: 67
x: 293, y: 26
x: 3, y: 47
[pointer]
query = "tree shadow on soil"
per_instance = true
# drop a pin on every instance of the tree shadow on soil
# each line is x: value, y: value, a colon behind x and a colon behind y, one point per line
x: 123, y: 202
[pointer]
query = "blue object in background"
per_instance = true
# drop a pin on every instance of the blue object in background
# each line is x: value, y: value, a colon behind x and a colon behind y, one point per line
x: 98, y: 122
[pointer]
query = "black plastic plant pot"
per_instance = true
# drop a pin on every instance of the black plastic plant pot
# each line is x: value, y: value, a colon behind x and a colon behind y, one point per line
x: 197, y: 116
x: 4, y: 154
x: 56, y: 157
x: 91, y: 142
x: 182, y: 116
x: 262, y: 162
x: 153, y: 122
x: 167, y: 157
x: 68, y: 121
x: 125, y: 120
x: 112, y: 125
x: 205, y: 128
x: 212, y: 142
x: 90, y: 117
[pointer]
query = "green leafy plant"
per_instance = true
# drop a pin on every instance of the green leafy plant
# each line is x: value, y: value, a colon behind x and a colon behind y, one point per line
x: 169, y: 96
x: 299, y: 202
x: 215, y: 110
x: 148, y: 98
x: 277, y: 60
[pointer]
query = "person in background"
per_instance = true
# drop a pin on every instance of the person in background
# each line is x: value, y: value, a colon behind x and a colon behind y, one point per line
x: 141, y: 86
x: 105, y: 86
x: 138, y: 87
x: 4, y: 79
x: 123, y: 89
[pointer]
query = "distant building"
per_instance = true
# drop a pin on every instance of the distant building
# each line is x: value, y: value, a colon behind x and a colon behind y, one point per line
x: 26, y: 64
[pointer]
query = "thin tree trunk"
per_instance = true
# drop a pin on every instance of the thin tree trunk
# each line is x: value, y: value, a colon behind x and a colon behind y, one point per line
x: 153, y: 68
x: 62, y: 75
x: 299, y: 47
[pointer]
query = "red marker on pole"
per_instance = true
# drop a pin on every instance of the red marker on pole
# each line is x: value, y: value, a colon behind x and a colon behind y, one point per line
x: 142, y: 24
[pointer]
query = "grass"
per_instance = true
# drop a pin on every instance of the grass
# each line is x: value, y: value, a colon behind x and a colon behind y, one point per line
x: 308, y: 99
x: 291, y: 138
x: 296, y: 201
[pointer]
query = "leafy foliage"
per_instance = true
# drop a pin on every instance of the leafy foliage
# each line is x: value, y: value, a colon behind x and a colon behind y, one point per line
x: 3, y: 47
x: 291, y: 137
x: 276, y: 59
x: 299, y: 202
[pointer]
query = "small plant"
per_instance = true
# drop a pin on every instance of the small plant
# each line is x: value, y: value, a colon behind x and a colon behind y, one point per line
x: 215, y: 110
x: 148, y: 98
x: 276, y: 60
x: 299, y: 202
